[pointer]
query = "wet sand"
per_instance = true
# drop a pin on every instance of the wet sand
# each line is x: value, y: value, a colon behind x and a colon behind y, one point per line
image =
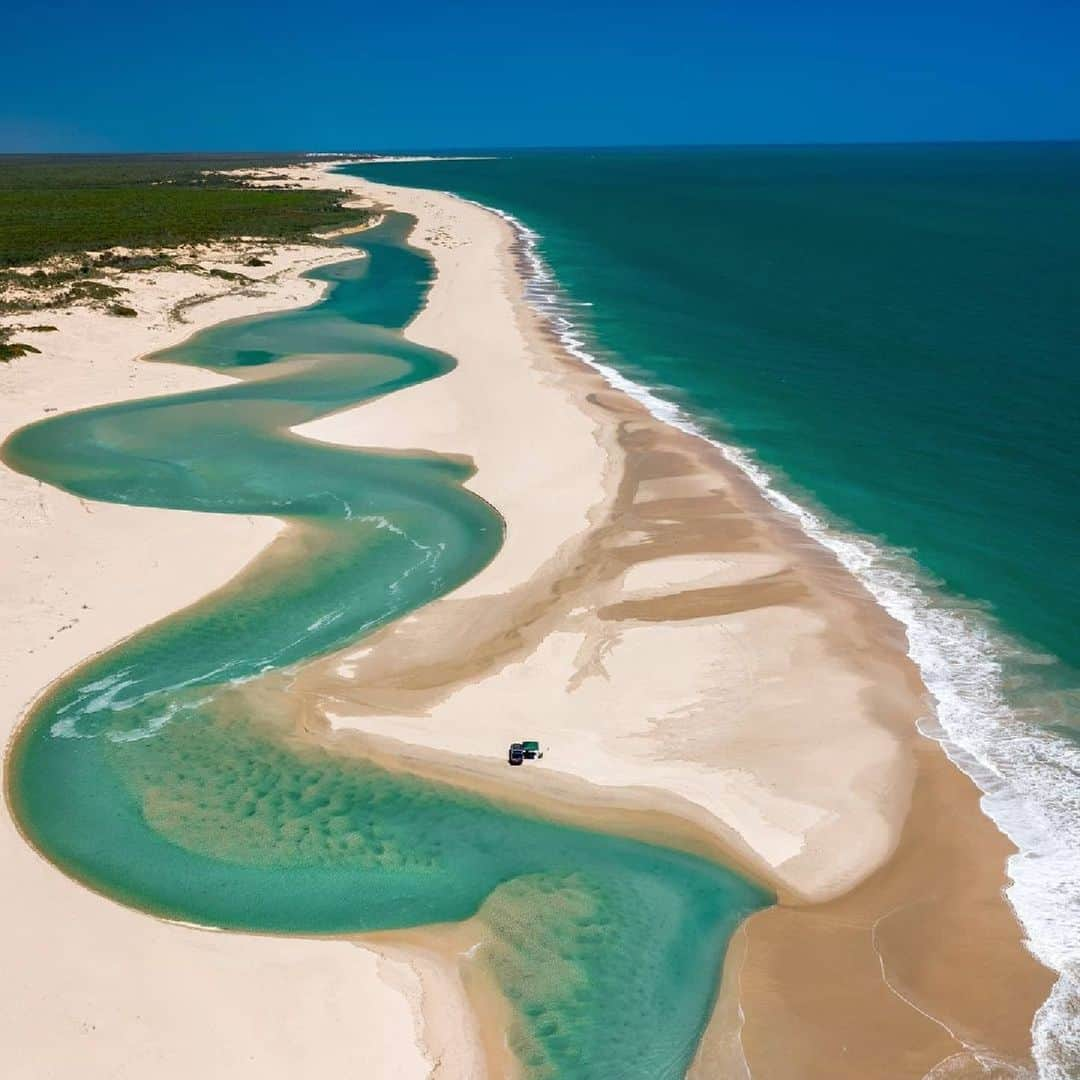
x: 920, y: 968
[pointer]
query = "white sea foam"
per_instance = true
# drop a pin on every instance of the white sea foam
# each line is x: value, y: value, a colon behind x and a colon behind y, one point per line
x: 88, y: 701
x: 1028, y: 775
x: 327, y: 619
x: 152, y: 726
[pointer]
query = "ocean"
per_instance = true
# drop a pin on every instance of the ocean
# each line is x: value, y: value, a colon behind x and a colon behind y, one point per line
x: 885, y: 338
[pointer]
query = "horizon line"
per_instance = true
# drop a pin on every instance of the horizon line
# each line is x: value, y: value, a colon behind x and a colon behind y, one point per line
x: 539, y: 147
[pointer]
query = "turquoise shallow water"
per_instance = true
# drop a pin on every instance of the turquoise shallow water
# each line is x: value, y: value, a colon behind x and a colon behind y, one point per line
x: 887, y: 339
x: 163, y: 773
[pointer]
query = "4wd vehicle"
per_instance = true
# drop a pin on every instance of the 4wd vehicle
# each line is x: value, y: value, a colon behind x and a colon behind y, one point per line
x: 516, y: 755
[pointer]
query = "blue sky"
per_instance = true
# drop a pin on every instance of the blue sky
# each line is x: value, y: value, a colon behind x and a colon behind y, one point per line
x: 119, y: 75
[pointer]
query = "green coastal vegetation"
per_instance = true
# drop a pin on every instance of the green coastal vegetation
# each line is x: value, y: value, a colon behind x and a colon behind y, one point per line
x: 53, y: 204
x: 75, y: 219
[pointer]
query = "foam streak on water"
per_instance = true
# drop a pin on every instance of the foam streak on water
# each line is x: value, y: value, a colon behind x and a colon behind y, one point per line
x: 1028, y: 775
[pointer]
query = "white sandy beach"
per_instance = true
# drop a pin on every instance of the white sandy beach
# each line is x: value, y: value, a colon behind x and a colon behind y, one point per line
x: 674, y: 643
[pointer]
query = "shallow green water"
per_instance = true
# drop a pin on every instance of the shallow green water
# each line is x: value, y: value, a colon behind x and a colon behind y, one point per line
x: 159, y: 773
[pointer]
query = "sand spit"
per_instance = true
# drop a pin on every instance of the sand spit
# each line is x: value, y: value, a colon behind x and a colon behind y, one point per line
x: 675, y: 641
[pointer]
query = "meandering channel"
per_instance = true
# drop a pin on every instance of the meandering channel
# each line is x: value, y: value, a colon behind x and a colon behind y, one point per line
x: 165, y: 772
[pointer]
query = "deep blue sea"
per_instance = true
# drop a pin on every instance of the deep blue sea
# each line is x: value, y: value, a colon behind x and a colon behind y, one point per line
x: 887, y: 339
